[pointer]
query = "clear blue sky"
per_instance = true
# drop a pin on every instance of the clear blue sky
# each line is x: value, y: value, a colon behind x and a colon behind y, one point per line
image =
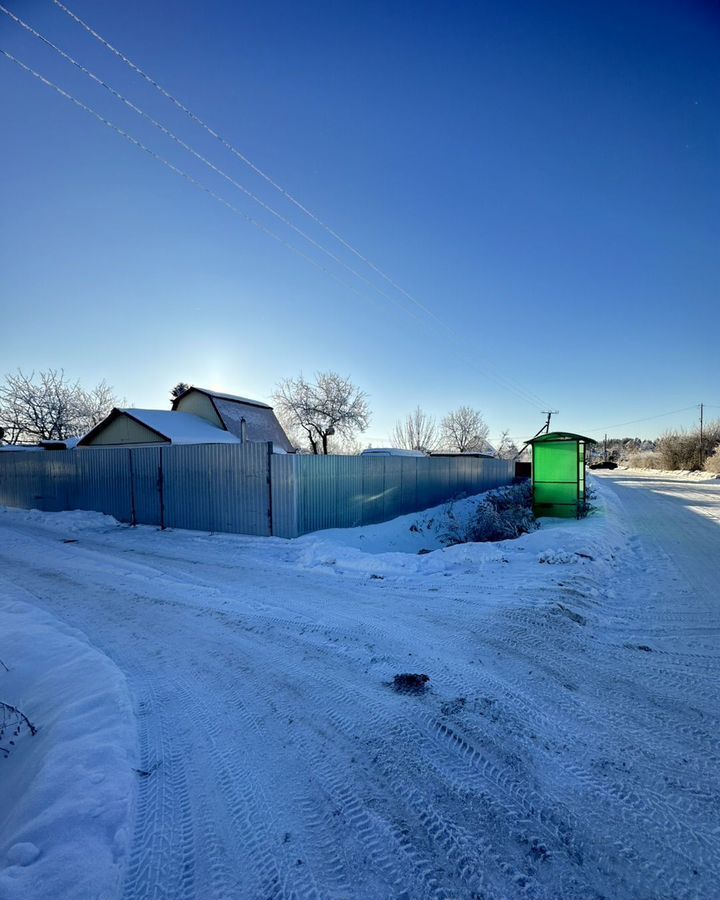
x: 543, y: 177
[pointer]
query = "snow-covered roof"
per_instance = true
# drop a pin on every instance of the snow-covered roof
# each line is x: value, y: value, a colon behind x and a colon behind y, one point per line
x: 175, y: 427
x: 391, y: 451
x: 223, y: 396
x: 65, y: 444
x: 261, y: 424
x: 467, y: 455
x: 247, y: 419
x: 181, y: 428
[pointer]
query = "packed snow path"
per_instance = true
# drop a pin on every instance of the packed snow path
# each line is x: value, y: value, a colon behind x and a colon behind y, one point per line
x: 567, y: 747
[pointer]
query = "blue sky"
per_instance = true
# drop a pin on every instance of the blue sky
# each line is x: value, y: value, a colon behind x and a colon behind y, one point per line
x: 542, y: 177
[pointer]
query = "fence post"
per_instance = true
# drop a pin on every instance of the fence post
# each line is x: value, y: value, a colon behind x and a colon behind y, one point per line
x: 269, y: 487
x: 133, y: 514
x: 161, y: 491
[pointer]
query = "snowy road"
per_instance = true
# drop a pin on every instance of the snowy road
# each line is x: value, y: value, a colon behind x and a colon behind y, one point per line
x: 568, y: 746
x: 693, y: 508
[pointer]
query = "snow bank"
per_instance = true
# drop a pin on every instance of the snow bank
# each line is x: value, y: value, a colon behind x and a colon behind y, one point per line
x: 72, y: 520
x: 679, y: 474
x: 68, y: 791
x: 415, y: 544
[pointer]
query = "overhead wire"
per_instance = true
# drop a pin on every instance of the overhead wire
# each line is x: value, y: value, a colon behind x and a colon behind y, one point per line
x: 168, y: 133
x: 241, y: 156
x: 174, y: 168
x: 672, y: 412
x: 504, y: 381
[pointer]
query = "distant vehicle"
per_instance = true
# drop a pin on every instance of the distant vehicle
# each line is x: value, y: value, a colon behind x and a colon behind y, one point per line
x: 391, y: 451
x: 603, y: 465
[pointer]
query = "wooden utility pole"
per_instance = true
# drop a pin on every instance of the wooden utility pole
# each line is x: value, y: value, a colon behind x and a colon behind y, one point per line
x: 702, y: 461
x: 549, y: 413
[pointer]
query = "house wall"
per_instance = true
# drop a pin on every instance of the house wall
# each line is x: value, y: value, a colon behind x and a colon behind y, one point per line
x: 199, y: 405
x: 124, y: 430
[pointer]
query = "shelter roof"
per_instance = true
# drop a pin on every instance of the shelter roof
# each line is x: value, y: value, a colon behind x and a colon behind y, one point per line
x: 555, y: 437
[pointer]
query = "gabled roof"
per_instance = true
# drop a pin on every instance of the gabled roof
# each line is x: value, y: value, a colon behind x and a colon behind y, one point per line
x: 240, y: 416
x: 221, y: 396
x: 175, y: 427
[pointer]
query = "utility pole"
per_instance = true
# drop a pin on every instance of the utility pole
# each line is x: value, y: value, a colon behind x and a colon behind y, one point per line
x: 702, y: 461
x: 549, y: 413
x: 605, y: 448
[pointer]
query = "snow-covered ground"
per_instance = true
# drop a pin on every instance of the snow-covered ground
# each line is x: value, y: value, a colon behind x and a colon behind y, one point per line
x: 567, y: 745
x: 67, y: 792
x: 674, y: 474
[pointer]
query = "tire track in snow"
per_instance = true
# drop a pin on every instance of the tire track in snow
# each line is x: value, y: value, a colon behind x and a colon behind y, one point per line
x: 448, y: 803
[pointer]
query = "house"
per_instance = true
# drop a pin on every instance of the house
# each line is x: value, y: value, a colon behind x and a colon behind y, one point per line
x: 391, y: 451
x: 142, y: 427
x: 456, y: 454
x: 248, y: 420
x: 65, y: 444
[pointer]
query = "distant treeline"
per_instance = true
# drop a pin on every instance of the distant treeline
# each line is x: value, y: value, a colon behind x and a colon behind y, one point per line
x: 673, y: 450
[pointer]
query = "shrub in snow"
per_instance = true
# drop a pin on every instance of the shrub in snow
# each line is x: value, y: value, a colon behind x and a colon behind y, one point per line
x: 557, y: 557
x: 712, y: 463
x: 505, y: 513
x: 682, y: 449
x: 646, y: 460
x: 13, y: 723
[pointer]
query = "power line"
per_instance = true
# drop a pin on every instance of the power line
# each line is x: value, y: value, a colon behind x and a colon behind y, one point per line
x: 175, y: 169
x: 193, y: 152
x: 503, y: 381
x: 258, y: 171
x: 646, y: 419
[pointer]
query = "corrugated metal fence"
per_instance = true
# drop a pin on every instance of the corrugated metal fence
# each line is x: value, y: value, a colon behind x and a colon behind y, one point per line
x: 314, y: 492
x: 241, y: 488
x: 208, y: 487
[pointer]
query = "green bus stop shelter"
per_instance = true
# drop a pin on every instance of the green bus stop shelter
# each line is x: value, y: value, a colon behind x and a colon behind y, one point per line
x: 558, y: 473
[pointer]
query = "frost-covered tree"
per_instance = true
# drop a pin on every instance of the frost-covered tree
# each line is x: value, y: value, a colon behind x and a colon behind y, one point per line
x: 464, y: 431
x: 316, y: 411
x: 507, y: 448
x: 178, y: 390
x: 48, y: 406
x: 417, y: 431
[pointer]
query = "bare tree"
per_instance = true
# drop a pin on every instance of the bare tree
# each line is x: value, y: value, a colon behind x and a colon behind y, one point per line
x: 91, y: 407
x: 507, y: 448
x: 331, y: 405
x: 417, y: 431
x: 350, y: 445
x: 178, y: 390
x: 50, y: 407
x: 464, y: 431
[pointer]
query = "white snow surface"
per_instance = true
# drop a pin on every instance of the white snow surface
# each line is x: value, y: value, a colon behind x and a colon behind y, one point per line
x: 674, y: 474
x: 182, y: 428
x: 567, y: 745
x: 68, y: 791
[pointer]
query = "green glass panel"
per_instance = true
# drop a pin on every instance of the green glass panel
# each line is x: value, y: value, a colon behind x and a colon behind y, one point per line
x: 549, y: 509
x: 555, y: 493
x: 555, y: 462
